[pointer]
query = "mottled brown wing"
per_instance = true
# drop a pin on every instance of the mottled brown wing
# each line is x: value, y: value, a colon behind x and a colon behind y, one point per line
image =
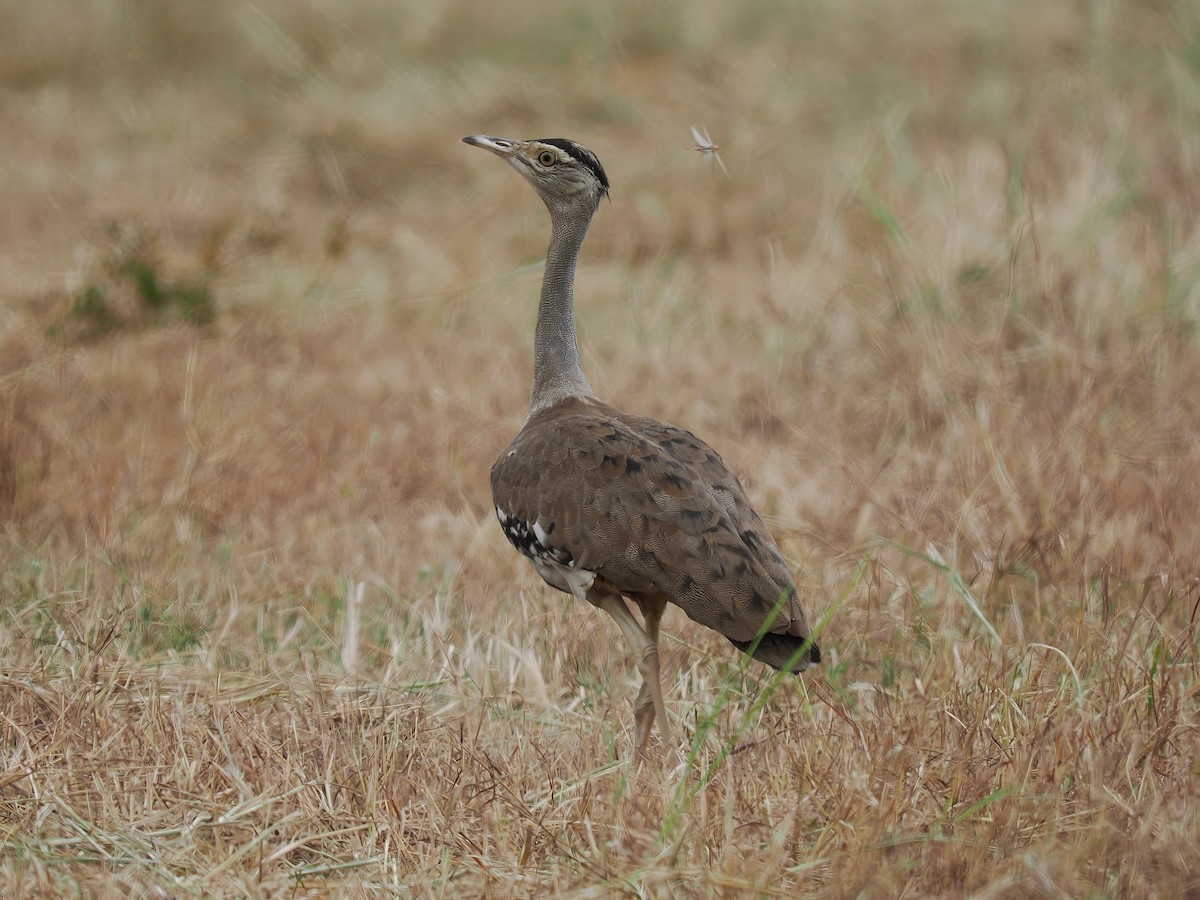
x: 649, y: 508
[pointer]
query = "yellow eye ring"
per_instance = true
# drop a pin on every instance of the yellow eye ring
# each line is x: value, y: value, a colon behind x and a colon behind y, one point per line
x: 546, y: 158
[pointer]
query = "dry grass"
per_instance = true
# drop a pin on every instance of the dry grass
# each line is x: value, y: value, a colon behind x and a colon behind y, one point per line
x: 267, y: 324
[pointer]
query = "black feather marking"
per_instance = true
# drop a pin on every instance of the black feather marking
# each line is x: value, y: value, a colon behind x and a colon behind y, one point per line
x: 675, y: 481
x: 740, y: 549
x: 522, y: 536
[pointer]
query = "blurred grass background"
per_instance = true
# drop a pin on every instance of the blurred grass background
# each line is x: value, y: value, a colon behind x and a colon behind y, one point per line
x: 266, y: 324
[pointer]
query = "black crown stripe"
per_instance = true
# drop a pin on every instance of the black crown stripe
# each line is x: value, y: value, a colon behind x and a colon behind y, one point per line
x: 580, y: 154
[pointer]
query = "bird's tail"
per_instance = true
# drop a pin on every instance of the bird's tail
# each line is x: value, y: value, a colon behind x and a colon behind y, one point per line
x: 779, y: 651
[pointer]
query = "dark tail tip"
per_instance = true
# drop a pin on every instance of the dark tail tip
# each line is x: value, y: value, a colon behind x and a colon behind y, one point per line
x: 779, y: 651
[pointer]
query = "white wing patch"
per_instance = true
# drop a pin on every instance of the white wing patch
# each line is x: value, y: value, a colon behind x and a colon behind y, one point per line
x: 556, y: 564
x: 536, y: 539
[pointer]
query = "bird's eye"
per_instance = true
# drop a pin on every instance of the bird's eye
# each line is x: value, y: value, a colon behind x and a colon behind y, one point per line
x: 546, y: 158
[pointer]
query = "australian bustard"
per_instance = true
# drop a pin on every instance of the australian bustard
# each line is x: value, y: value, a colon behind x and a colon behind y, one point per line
x: 607, y: 505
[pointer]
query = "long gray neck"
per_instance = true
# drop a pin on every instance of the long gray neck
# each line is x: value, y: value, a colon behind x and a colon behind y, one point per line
x: 557, y: 373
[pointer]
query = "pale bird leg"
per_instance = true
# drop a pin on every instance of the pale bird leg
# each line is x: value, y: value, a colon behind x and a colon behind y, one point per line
x: 643, y: 706
x: 645, y: 649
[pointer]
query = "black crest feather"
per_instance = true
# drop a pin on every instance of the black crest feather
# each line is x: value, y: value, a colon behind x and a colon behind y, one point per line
x: 582, y: 154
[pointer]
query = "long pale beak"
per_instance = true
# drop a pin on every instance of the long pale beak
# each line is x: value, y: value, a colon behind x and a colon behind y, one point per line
x: 499, y: 146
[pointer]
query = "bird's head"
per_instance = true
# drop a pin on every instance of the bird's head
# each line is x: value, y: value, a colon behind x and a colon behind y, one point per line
x: 566, y: 175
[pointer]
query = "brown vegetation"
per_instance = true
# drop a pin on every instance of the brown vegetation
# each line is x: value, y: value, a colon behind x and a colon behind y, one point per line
x: 266, y: 323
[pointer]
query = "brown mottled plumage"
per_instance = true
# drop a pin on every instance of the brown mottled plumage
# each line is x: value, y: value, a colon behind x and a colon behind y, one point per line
x: 656, y: 512
x: 607, y: 505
